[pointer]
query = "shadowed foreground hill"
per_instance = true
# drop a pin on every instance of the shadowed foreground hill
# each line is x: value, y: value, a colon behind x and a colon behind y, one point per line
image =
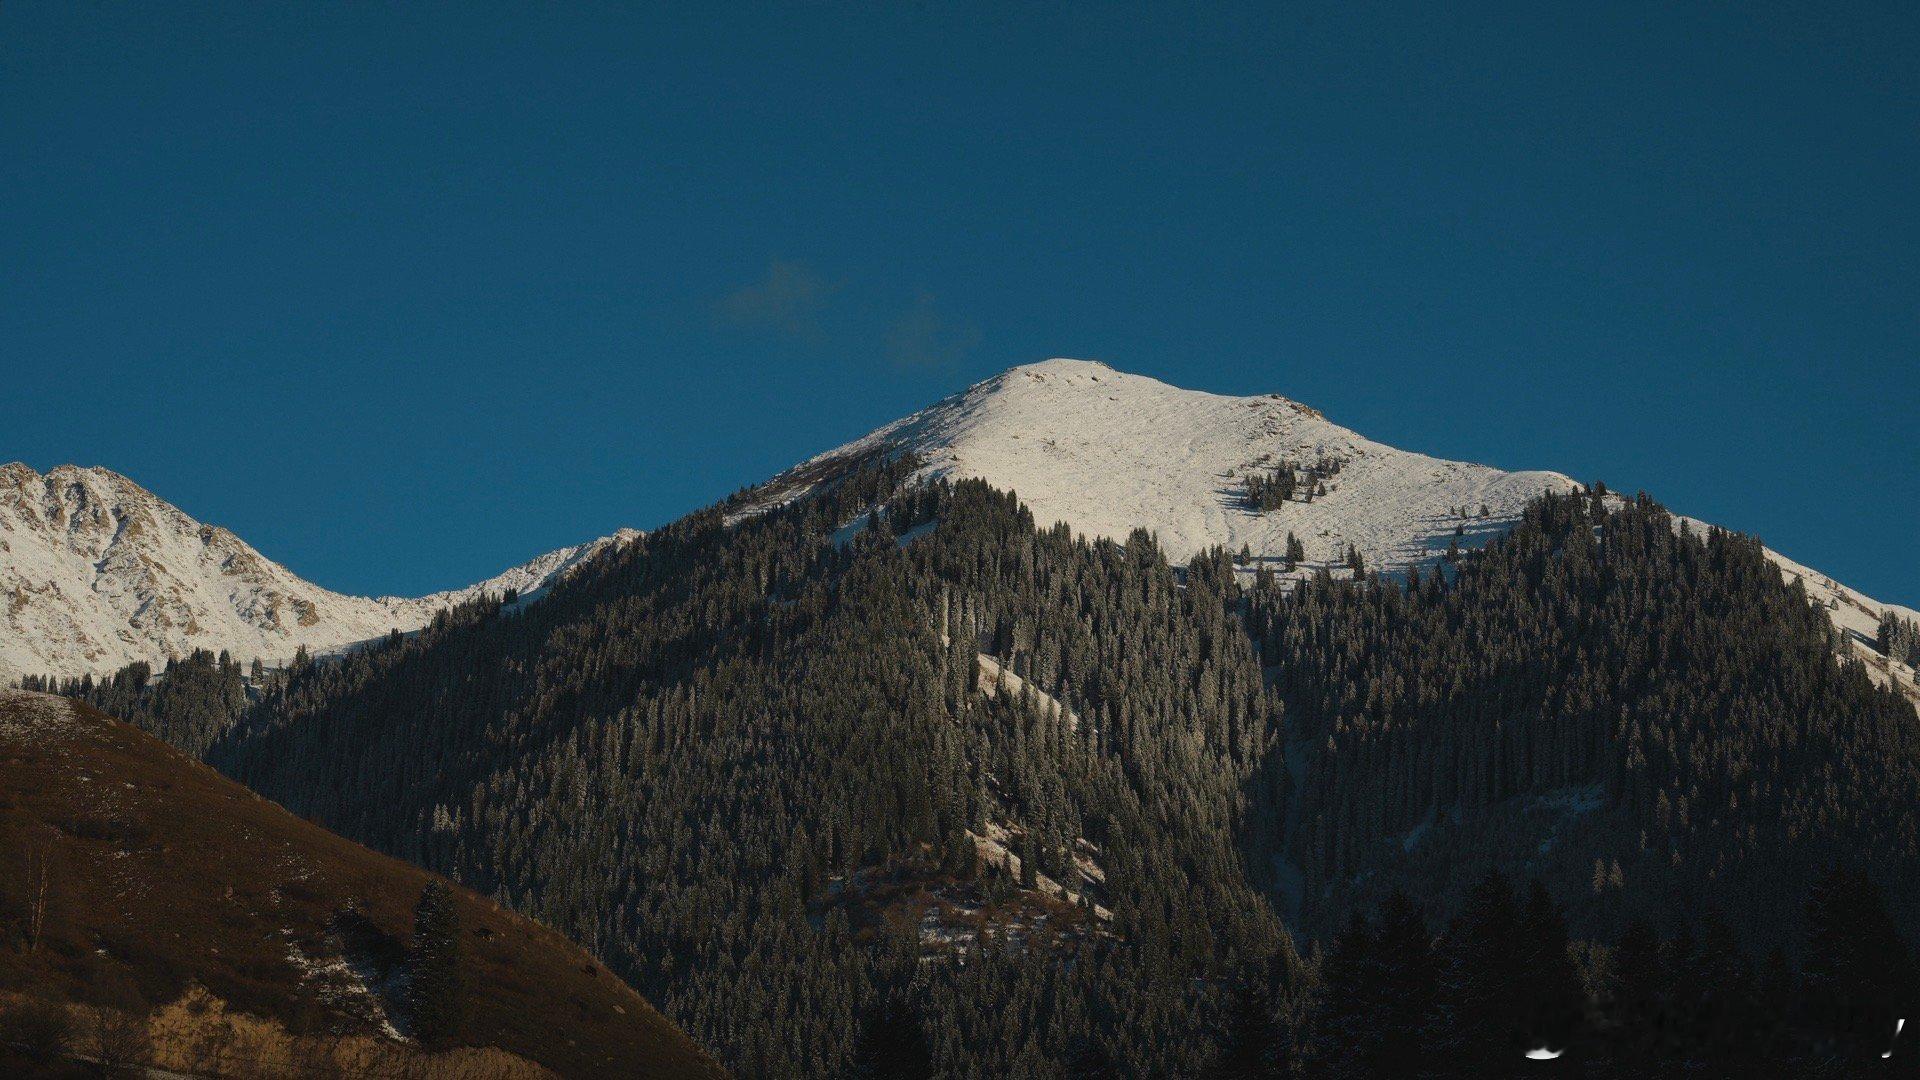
x: 139, y: 889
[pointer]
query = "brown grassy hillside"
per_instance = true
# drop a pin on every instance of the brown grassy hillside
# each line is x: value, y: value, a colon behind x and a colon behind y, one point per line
x: 247, y: 942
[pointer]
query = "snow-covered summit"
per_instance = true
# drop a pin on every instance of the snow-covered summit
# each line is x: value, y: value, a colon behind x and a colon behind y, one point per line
x: 97, y: 571
x: 1108, y: 452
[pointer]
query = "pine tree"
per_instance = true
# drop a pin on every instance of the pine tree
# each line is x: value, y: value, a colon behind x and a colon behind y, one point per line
x: 1088, y: 1060
x: 1410, y: 982
x: 435, y: 991
x: 1481, y: 985
x: 892, y: 1043
x: 1642, y: 987
x: 1254, y: 1042
x: 1350, y: 1007
x: 1382, y: 995
x: 1553, y: 1002
x: 1860, y: 975
x: 1898, y: 639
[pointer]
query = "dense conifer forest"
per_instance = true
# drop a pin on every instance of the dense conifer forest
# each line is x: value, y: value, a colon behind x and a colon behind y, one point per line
x: 1646, y: 717
x: 892, y: 782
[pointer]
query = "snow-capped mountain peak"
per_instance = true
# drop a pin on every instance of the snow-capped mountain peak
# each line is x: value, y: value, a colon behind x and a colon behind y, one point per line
x: 97, y: 571
x: 1109, y: 452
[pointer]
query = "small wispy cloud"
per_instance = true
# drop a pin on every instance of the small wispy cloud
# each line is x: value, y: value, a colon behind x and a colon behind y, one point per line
x: 787, y: 301
x: 922, y: 337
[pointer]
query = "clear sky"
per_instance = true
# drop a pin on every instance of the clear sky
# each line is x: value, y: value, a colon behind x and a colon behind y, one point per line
x: 405, y: 294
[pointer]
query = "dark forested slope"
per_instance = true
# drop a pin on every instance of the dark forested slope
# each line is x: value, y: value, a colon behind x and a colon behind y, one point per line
x: 762, y: 767
x: 717, y: 753
x: 1642, y: 715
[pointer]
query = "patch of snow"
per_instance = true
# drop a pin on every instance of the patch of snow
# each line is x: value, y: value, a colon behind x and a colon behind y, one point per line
x: 845, y: 534
x: 1572, y: 801
x: 1566, y: 804
x: 993, y: 676
x: 995, y: 849
x: 346, y: 986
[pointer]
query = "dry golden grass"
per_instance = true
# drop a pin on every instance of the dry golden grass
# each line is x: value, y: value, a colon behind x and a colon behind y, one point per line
x: 139, y: 881
x: 200, y: 1036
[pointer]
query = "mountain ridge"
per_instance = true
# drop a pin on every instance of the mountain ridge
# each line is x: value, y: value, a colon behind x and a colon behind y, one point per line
x: 1041, y: 431
x: 1079, y: 441
x: 96, y: 572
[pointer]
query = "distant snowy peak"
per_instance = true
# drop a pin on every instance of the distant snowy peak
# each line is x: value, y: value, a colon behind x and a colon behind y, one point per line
x: 529, y: 577
x: 96, y: 571
x: 1108, y: 452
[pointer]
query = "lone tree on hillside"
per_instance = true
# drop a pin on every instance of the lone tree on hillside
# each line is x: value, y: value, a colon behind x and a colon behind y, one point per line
x: 436, y: 997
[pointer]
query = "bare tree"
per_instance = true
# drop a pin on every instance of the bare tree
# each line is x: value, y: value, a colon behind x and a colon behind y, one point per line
x: 37, y: 877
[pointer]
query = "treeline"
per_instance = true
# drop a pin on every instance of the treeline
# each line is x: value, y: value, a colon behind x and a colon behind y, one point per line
x: 194, y: 701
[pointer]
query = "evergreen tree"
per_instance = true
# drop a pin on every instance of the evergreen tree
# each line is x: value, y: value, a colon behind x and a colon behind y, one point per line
x: 1718, y: 1000
x: 1382, y: 981
x: 892, y: 1044
x: 1255, y: 1045
x: 1088, y: 1060
x: 1410, y: 983
x: 1552, y: 1002
x: 1641, y: 1006
x: 1350, y: 1010
x: 1898, y: 639
x: 1272, y: 489
x: 1481, y: 988
x: 1860, y: 974
x: 436, y: 994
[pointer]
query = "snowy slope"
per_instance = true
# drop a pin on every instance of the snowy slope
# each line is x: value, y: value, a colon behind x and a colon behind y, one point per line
x: 1108, y: 452
x: 96, y: 571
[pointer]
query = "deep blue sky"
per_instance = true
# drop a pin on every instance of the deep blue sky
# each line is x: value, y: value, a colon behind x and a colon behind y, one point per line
x: 405, y: 296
